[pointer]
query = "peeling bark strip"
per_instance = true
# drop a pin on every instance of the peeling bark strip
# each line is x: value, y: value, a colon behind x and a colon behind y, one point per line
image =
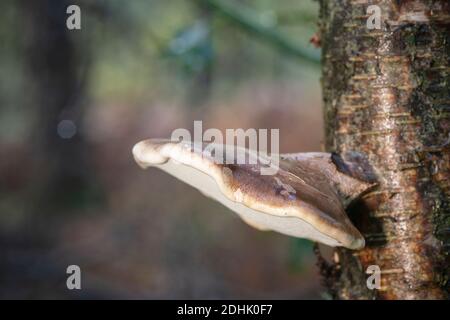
x: 386, y: 96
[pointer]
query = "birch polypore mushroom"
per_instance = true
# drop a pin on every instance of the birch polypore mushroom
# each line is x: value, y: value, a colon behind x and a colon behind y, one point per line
x: 305, y: 197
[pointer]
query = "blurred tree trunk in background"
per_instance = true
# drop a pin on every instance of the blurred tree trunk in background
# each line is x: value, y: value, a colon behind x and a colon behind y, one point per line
x: 53, y: 61
x: 386, y: 98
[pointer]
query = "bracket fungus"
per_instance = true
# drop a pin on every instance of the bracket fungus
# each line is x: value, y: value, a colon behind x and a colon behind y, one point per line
x: 305, y: 197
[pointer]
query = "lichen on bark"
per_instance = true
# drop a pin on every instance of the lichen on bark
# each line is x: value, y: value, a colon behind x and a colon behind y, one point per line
x: 386, y: 98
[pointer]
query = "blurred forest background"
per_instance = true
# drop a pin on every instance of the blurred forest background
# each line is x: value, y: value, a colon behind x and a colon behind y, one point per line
x: 73, y: 103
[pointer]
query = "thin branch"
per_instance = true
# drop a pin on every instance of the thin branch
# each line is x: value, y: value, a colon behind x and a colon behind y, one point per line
x: 246, y: 18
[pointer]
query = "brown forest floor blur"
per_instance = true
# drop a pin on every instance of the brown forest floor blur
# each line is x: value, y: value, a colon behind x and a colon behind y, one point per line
x: 154, y: 237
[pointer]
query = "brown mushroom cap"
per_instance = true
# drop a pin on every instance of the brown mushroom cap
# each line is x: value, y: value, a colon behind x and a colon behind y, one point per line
x: 301, y: 199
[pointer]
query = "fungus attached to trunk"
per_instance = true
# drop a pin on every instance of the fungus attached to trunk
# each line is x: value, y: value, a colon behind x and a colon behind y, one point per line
x: 306, y: 196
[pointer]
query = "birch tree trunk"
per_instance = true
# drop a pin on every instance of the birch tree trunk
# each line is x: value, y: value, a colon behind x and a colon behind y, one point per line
x: 386, y: 101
